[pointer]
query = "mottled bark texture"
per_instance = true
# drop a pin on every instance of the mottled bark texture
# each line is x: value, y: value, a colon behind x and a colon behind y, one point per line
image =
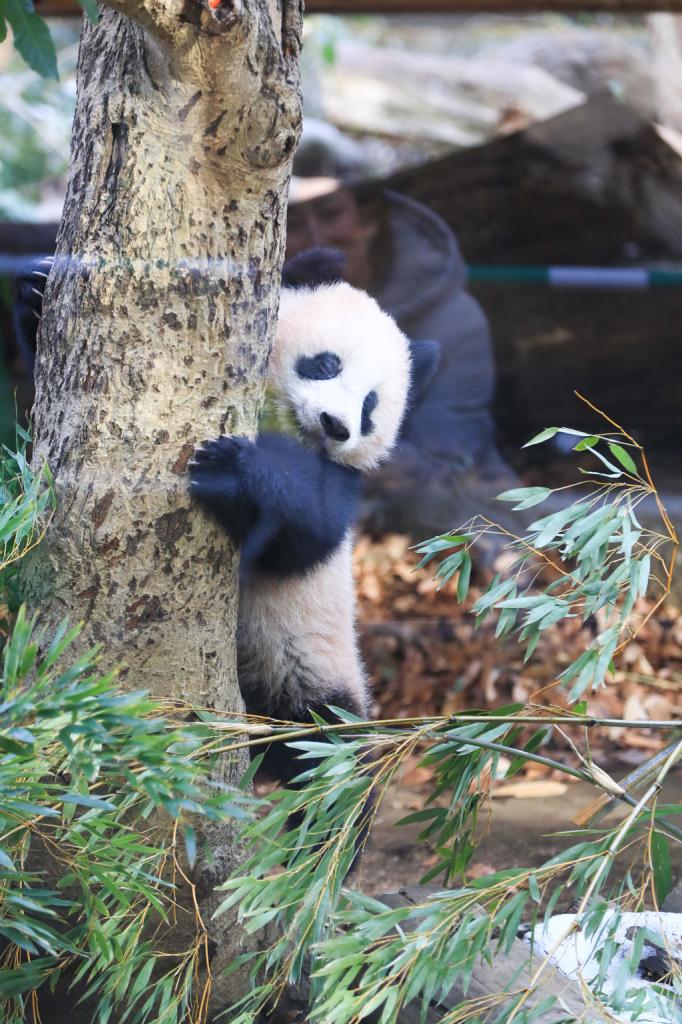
x: 158, y: 320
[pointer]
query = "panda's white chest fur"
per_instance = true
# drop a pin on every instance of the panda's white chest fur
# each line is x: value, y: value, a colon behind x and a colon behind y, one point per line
x: 296, y: 640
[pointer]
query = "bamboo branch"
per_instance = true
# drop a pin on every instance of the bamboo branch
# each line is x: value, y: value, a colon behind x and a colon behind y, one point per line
x: 603, y: 805
x: 433, y: 729
x: 608, y: 857
x: 298, y: 730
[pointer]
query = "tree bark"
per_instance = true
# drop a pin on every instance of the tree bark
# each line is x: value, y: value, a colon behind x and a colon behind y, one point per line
x: 158, y: 320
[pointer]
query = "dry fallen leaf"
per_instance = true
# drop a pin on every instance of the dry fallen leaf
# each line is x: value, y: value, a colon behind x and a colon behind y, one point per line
x: 531, y: 789
x: 414, y: 775
x: 480, y: 870
x: 425, y: 657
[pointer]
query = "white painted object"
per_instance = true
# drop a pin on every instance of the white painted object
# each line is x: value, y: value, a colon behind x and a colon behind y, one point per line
x: 577, y: 957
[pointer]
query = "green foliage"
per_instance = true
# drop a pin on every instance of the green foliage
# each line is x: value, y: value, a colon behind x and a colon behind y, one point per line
x: 297, y: 878
x: 601, y: 557
x: 366, y: 957
x: 277, y: 416
x: 94, y: 787
x: 26, y: 505
x: 35, y: 124
x: 31, y: 34
x: 115, y: 793
x: 102, y: 798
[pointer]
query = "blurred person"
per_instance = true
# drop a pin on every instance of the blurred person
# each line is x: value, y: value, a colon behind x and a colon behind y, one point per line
x: 446, y: 468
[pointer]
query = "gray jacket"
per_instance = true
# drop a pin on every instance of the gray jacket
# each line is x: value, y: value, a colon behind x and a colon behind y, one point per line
x: 425, y: 293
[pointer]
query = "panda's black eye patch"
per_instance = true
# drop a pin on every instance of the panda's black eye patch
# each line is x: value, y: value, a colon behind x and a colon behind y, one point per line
x: 323, y: 366
x: 368, y: 406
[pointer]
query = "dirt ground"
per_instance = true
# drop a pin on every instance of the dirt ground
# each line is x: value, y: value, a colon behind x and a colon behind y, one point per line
x: 518, y: 832
x: 426, y: 657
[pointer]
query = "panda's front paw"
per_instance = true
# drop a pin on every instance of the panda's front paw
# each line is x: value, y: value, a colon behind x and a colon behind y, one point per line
x: 220, y: 455
x: 214, y: 473
x: 219, y: 479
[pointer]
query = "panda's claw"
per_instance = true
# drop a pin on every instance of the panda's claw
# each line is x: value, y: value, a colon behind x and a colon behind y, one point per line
x: 219, y: 457
x: 221, y: 450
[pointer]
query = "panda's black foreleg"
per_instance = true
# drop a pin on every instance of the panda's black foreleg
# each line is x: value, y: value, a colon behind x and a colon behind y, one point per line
x: 286, y: 506
x: 217, y: 481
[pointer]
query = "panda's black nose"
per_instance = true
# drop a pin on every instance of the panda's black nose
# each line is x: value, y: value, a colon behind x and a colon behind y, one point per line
x: 334, y: 428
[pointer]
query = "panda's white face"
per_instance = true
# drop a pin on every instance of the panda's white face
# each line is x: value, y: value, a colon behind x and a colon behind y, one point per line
x: 343, y: 368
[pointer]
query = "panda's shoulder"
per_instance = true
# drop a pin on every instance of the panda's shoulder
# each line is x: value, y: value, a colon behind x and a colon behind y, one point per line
x: 278, y: 443
x: 287, y: 452
x: 308, y: 467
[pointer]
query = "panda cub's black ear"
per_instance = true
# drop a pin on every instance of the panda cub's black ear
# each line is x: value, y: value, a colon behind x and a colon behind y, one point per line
x: 425, y: 357
x: 313, y: 268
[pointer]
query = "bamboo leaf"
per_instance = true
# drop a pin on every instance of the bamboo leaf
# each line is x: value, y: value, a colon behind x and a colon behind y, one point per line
x: 32, y: 37
x: 587, y: 442
x: 525, y: 496
x: 660, y: 862
x: 544, y: 435
x: 464, y: 578
x: 623, y: 457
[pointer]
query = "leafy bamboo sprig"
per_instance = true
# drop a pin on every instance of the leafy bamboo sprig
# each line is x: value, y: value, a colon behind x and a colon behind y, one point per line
x: 362, y: 954
x: 602, y: 559
x: 114, y: 759
x: 101, y: 808
x: 31, y: 34
x: 27, y: 501
x: 370, y: 959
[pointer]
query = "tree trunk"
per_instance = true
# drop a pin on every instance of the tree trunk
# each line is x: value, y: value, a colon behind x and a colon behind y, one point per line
x: 158, y: 320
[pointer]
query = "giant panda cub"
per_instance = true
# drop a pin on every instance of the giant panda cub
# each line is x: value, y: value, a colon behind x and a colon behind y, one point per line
x: 346, y: 372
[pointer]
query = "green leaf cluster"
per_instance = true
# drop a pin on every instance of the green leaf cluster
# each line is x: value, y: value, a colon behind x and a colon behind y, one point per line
x: 100, y: 780
x: 26, y: 505
x: 601, y: 556
x: 105, y: 781
x: 31, y: 34
x: 368, y: 960
x: 365, y: 958
x: 94, y: 786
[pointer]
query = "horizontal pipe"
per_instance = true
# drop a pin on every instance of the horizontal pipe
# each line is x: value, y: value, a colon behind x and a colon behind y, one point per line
x: 608, y: 278
x: 618, y: 278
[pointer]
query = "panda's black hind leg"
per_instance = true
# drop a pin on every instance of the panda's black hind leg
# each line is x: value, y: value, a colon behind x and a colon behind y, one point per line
x: 283, y: 763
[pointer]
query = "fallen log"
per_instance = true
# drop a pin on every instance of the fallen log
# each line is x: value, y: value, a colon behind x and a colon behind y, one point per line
x: 437, y: 101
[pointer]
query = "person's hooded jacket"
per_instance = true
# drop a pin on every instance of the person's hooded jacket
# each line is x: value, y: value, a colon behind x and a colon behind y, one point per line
x: 424, y: 290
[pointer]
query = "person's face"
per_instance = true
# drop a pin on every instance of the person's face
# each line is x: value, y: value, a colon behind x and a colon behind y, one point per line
x: 326, y: 214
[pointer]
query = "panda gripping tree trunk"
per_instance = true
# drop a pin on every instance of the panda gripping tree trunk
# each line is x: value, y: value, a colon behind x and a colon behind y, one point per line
x: 158, y: 318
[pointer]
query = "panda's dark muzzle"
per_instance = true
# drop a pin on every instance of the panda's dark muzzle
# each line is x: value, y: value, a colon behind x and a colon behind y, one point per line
x: 334, y: 428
